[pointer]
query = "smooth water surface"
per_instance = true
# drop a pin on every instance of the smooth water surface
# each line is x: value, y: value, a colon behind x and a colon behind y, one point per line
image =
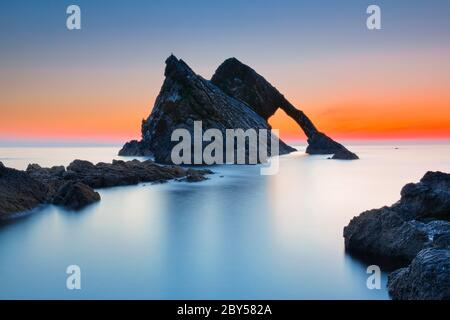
x: 239, y: 235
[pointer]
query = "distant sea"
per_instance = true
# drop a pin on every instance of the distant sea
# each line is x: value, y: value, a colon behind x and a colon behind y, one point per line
x: 238, y: 235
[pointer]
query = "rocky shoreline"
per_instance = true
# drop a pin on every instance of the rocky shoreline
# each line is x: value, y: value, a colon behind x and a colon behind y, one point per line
x: 73, y: 187
x: 412, y: 236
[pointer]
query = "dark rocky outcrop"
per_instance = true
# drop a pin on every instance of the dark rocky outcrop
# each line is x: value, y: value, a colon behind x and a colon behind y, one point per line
x: 119, y: 173
x: 344, y: 155
x: 427, y: 278
x: 135, y: 148
x: 75, y: 195
x: 186, y: 97
x: 74, y: 187
x: 19, y: 191
x: 414, y: 230
x: 428, y: 199
x: 382, y: 236
x: 236, y: 97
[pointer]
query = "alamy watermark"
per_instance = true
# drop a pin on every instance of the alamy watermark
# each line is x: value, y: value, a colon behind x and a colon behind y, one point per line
x: 374, y: 280
x: 235, y: 146
x: 73, y: 281
x: 73, y: 21
x: 373, y: 22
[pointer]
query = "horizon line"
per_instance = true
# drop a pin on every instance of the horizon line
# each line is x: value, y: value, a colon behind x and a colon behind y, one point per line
x: 11, y: 143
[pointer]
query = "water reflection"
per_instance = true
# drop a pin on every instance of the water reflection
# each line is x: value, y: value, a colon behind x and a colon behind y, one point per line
x: 240, y: 236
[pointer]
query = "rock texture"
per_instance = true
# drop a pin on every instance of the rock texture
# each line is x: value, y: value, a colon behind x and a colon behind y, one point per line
x: 236, y: 97
x: 427, y: 278
x: 428, y: 199
x: 414, y: 230
x: 75, y: 195
x: 74, y: 187
x: 382, y: 236
x: 184, y: 98
x: 19, y: 191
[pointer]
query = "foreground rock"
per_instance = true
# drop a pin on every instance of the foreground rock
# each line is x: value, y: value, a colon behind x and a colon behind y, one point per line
x: 399, y: 232
x: 414, y: 230
x: 235, y: 98
x: 428, y: 199
x: 75, y: 195
x: 427, y: 278
x: 74, y: 187
x: 382, y: 236
x: 19, y: 191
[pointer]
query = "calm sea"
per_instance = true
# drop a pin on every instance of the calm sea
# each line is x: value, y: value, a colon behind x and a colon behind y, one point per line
x: 239, y: 235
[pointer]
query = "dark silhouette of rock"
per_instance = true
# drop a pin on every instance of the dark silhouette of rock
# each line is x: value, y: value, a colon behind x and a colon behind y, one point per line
x: 75, y: 195
x: 184, y: 98
x: 410, y: 231
x: 135, y: 148
x: 442, y: 241
x: 242, y: 82
x: 194, y: 176
x: 399, y: 232
x: 51, y: 177
x: 430, y: 198
x: 382, y: 236
x: 427, y: 278
x: 19, y: 192
x: 236, y: 97
x: 73, y: 188
x: 120, y: 173
x: 344, y: 155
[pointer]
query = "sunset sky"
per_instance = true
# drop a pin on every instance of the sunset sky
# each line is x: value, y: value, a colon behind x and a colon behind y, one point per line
x: 98, y: 83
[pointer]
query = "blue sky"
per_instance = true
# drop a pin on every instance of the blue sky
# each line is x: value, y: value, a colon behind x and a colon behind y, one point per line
x: 318, y: 53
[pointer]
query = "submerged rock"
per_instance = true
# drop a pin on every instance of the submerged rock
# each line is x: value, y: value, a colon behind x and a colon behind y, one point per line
x: 427, y: 278
x: 235, y: 98
x: 410, y: 231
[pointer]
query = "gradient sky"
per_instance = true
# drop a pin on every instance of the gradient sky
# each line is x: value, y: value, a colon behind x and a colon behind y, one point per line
x: 98, y: 83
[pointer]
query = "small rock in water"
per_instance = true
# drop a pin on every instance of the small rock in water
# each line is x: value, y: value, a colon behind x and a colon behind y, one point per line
x: 344, y: 154
x: 75, y: 195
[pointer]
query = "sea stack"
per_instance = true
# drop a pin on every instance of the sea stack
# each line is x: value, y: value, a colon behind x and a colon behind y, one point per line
x: 235, y: 98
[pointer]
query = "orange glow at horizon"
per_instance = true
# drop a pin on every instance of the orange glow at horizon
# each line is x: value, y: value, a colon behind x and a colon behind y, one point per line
x: 404, y: 95
x: 122, y: 123
x: 354, y: 123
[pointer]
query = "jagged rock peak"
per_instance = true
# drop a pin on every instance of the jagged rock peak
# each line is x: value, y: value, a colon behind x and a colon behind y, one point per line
x: 176, y: 67
x: 185, y: 98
